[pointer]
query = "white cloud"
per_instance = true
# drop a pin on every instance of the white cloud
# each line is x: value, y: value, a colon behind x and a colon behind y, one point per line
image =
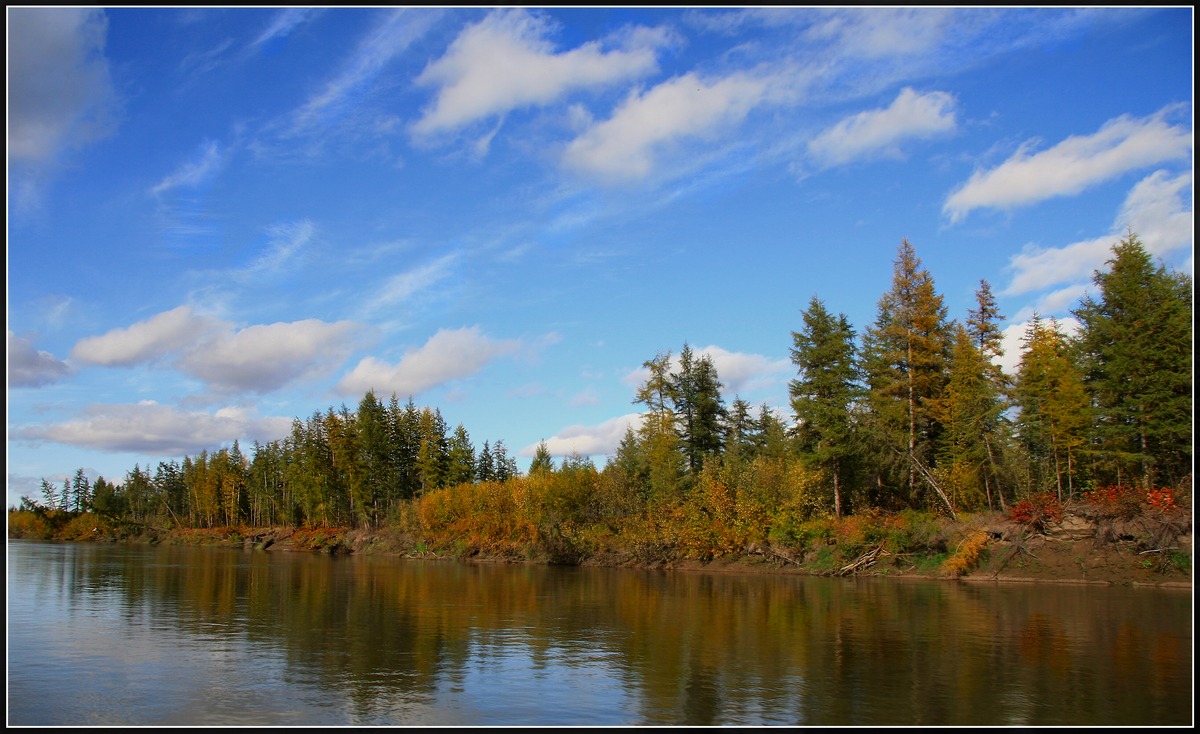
x: 284, y: 22
x: 29, y: 367
x: 151, y: 428
x: 599, y: 440
x: 504, y: 62
x: 1013, y: 341
x: 404, y: 286
x: 195, y: 172
x: 879, y: 32
x: 448, y: 355
x: 266, y: 357
x: 624, y: 146
x: 737, y: 371
x: 1158, y: 209
x: 158, y: 336
x: 587, y: 396
x: 386, y: 40
x: 1121, y: 145
x: 257, y: 358
x: 878, y: 132
x: 60, y: 92
x: 284, y: 241
x: 1038, y: 268
x: 741, y: 371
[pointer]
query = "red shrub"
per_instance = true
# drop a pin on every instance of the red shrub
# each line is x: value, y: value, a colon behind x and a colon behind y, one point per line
x: 1038, y: 510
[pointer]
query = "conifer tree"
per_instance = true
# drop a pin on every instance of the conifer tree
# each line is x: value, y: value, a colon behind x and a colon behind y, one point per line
x: 660, y: 445
x: 969, y: 411
x: 695, y: 391
x: 1054, y: 407
x: 460, y: 458
x: 905, y: 359
x: 824, y: 393
x: 1136, y: 350
x: 542, y: 462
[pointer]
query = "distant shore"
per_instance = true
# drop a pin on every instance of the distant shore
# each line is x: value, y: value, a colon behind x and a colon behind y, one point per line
x: 1073, y: 551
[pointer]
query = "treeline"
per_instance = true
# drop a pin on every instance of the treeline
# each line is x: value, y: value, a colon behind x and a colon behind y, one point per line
x: 914, y: 413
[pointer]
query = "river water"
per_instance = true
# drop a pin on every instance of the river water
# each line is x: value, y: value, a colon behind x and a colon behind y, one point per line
x: 140, y: 635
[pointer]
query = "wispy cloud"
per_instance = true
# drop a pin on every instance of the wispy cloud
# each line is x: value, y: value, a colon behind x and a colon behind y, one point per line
x: 505, y: 62
x: 284, y: 242
x: 283, y: 23
x: 1158, y: 209
x: 448, y: 355
x: 1122, y: 145
x: 879, y: 132
x: 403, y: 287
x: 30, y: 367
x: 390, y: 37
x: 625, y: 146
x: 880, y: 32
x: 197, y: 171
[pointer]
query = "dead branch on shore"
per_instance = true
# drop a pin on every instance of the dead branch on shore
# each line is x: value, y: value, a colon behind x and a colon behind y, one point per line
x: 863, y: 562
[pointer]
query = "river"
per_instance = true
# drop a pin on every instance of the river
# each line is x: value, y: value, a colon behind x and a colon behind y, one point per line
x: 103, y: 635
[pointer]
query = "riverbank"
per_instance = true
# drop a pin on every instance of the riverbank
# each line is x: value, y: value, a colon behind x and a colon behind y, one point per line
x: 1078, y: 548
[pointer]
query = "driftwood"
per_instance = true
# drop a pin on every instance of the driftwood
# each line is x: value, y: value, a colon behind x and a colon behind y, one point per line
x: 863, y: 562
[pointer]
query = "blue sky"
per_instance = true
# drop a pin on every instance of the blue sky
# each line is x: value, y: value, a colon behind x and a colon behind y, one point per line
x: 223, y: 219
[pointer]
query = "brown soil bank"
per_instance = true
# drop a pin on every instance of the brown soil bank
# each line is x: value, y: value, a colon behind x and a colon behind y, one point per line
x: 1143, y: 551
x: 1147, y: 550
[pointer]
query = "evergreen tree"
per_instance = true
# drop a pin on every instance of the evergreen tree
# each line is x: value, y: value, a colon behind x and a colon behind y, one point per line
x: 485, y: 468
x: 660, y: 445
x: 740, y: 432
x: 969, y: 410
x: 695, y: 392
x: 503, y: 465
x: 1136, y: 348
x: 81, y: 491
x: 460, y: 458
x: 49, y: 495
x: 905, y: 359
x: 432, y: 454
x: 542, y: 462
x: 824, y: 394
x: 1054, y: 407
x: 377, y: 450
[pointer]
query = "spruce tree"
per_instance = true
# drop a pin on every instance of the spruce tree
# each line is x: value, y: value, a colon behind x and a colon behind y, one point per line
x: 1136, y: 349
x: 824, y: 393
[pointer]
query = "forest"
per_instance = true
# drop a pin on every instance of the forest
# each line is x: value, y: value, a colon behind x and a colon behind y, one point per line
x: 912, y: 415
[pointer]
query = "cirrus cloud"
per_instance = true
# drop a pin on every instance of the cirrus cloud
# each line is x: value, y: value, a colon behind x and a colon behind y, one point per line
x: 1121, y: 145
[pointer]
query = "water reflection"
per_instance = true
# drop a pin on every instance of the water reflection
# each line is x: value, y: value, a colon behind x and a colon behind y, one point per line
x: 102, y: 634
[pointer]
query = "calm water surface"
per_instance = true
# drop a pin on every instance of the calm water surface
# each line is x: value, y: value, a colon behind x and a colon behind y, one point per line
x: 108, y: 635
